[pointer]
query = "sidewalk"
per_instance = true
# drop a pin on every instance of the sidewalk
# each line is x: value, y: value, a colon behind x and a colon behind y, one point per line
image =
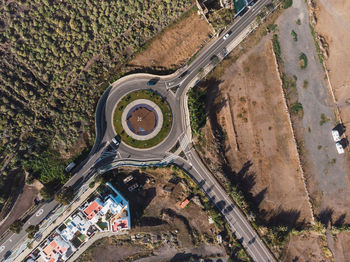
x: 65, y: 212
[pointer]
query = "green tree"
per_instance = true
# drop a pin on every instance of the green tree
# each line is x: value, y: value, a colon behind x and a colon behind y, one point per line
x: 16, y: 226
x: 65, y: 196
x: 46, y: 193
x: 31, y: 230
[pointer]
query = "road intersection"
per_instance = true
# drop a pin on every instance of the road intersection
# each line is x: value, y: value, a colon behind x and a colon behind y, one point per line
x: 180, y: 132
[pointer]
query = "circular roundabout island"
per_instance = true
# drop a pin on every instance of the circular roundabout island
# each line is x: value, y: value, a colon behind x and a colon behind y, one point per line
x: 142, y: 119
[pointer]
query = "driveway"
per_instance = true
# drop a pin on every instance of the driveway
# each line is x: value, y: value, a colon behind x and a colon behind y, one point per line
x: 325, y: 169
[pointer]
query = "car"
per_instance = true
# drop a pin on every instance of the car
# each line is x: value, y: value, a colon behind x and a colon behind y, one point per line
x: 226, y: 36
x: 7, y: 254
x: 340, y: 148
x: 183, y: 74
x: 116, y: 140
x: 251, y: 4
x: 336, y: 136
x: 152, y: 82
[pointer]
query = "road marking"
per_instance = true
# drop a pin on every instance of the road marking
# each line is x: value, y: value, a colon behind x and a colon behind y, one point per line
x: 184, y: 142
x: 40, y: 212
x: 168, y: 159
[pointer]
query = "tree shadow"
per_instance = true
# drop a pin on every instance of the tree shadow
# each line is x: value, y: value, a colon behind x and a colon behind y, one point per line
x: 340, y: 221
x: 288, y: 218
x: 325, y: 216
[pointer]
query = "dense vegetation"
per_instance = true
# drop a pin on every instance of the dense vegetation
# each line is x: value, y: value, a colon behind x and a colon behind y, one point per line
x: 56, y: 59
x: 196, y: 106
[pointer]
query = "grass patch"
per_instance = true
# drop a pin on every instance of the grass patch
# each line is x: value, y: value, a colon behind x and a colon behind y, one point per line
x: 302, y: 61
x: 294, y: 35
x: 298, y: 22
x: 277, y: 47
x: 324, y: 119
x: 318, y: 49
x: 288, y: 82
x: 272, y: 27
x: 287, y: 3
x: 157, y: 99
x: 306, y: 84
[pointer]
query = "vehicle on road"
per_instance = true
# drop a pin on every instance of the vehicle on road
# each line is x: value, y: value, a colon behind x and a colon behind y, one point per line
x: 153, y: 81
x: 116, y: 140
x: 251, y: 4
x: 227, y: 35
x: 7, y: 254
x: 336, y: 136
x: 183, y: 74
x: 70, y: 167
x: 340, y: 148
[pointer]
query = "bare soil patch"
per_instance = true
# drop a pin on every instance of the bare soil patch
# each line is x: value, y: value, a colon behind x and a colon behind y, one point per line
x: 175, y: 45
x: 341, y: 247
x: 333, y: 19
x: 260, y: 142
x: 23, y: 203
x: 308, y: 246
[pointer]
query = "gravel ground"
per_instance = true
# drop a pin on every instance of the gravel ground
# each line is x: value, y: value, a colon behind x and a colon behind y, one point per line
x: 326, y: 170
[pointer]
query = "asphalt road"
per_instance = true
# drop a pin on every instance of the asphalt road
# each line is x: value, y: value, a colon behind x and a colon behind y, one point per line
x: 99, y: 157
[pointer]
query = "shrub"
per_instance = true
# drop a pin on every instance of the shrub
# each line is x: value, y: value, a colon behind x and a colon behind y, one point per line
x: 296, y: 108
x: 302, y: 61
x: 295, y: 36
x: 196, y: 105
x: 277, y: 47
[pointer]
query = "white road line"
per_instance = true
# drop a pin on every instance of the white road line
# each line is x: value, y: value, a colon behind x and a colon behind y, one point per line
x: 184, y: 142
x: 39, y: 213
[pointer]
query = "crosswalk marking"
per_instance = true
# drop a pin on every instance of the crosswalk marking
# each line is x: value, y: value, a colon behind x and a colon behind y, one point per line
x: 184, y: 142
x: 169, y: 158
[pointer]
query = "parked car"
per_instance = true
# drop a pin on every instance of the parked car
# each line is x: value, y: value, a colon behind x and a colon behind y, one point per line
x: 336, y: 136
x: 340, y: 148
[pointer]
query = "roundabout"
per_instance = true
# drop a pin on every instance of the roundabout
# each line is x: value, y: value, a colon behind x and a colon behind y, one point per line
x: 142, y: 119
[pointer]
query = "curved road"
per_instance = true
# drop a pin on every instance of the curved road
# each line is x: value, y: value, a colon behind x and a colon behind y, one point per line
x: 102, y: 157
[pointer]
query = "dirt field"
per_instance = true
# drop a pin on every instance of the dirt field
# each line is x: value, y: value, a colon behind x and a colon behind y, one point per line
x: 259, y: 134
x: 164, y: 229
x: 176, y: 45
x: 306, y: 247
x: 333, y: 19
x: 341, y: 247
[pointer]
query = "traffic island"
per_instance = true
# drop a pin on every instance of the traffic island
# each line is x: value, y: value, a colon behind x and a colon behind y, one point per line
x: 142, y: 119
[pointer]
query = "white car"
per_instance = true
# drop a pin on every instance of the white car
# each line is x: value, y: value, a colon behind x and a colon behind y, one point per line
x: 116, y: 140
x: 226, y: 36
x: 336, y: 136
x: 340, y: 148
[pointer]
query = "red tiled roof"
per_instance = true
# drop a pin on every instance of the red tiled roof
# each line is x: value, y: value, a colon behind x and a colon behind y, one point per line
x: 119, y: 225
x: 184, y: 203
x: 50, y: 247
x: 91, y: 208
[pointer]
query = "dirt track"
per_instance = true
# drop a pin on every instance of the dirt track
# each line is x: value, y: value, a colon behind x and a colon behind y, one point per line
x: 333, y: 20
